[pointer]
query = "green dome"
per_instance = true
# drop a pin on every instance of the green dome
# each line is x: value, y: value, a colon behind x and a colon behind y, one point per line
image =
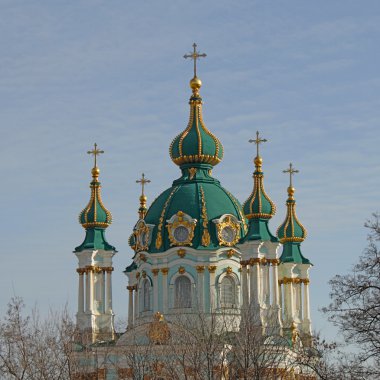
x: 95, y: 218
x: 291, y: 230
x: 199, y: 201
x: 196, y: 144
x: 258, y: 204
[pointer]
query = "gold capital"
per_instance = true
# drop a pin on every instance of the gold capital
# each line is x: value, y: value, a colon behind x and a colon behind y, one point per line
x: 212, y: 268
x: 200, y: 268
x: 155, y: 271
x: 164, y: 271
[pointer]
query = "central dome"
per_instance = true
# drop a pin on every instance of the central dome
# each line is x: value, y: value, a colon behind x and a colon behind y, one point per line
x: 201, y: 199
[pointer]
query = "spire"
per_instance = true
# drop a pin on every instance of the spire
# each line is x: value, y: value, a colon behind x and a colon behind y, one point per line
x: 291, y: 232
x: 196, y: 144
x: 143, y: 209
x: 95, y: 218
x: 259, y: 208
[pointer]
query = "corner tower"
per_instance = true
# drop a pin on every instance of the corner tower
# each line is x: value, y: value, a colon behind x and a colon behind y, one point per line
x: 95, y: 318
x: 294, y: 267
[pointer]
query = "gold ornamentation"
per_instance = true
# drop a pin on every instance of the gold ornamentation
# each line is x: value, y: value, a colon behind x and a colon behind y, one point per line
x: 254, y: 261
x: 238, y: 207
x: 257, y: 142
x: 142, y: 210
x: 206, y: 234
x: 181, y: 252
x: 95, y: 152
x: 131, y: 288
x: 143, y: 274
x: 142, y: 235
x: 194, y: 56
x: 81, y: 271
x: 228, y: 270
x: 293, y: 280
x: 181, y: 270
x: 228, y: 223
x: 159, y: 332
x: 200, y: 268
x: 143, y: 257
x: 137, y: 275
x: 212, y: 268
x: 274, y: 262
x: 181, y: 220
x: 161, y: 221
x: 164, y: 271
x: 230, y: 253
x: 192, y: 172
x: 155, y: 271
x: 210, y: 172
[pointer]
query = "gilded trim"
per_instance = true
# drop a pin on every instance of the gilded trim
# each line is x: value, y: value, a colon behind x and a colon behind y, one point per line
x: 205, y: 234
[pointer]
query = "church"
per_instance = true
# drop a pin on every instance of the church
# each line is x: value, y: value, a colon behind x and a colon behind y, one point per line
x: 200, y: 256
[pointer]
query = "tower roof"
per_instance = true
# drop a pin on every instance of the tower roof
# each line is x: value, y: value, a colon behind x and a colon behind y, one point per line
x: 259, y: 208
x: 95, y: 217
x: 291, y: 232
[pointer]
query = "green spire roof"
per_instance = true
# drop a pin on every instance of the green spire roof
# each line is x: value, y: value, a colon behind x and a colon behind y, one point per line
x: 259, y: 208
x: 291, y: 232
x: 95, y: 218
x: 196, y: 144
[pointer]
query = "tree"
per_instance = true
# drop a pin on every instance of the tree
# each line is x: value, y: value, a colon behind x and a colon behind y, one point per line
x: 355, y: 306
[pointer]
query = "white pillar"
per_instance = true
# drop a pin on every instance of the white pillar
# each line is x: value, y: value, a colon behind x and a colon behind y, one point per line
x: 130, y: 306
x: 211, y: 270
x: 255, y: 282
x: 102, y: 291
x: 244, y: 283
x: 164, y: 272
x: 200, y: 287
x: 80, y: 291
x: 91, y: 273
x: 137, y: 306
x: 289, y: 302
x: 88, y: 285
x: 109, y: 290
x: 306, y: 302
x: 266, y: 286
x: 155, y: 289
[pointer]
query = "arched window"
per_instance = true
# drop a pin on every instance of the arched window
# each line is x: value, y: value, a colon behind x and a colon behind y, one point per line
x: 227, y: 292
x: 146, y: 295
x: 182, y: 288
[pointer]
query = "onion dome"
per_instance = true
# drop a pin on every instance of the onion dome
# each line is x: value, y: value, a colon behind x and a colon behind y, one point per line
x: 95, y: 217
x: 291, y: 232
x: 196, y: 144
x: 259, y: 208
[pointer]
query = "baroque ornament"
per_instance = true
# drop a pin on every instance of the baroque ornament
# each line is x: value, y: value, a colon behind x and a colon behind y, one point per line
x: 181, y: 229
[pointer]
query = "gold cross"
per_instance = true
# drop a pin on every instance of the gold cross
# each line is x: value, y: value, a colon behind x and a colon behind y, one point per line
x: 258, y: 141
x: 143, y: 182
x: 95, y: 152
x: 194, y: 56
x: 291, y: 172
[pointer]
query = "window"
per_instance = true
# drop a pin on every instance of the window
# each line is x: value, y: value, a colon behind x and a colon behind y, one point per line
x: 182, y: 288
x: 146, y: 295
x: 227, y: 292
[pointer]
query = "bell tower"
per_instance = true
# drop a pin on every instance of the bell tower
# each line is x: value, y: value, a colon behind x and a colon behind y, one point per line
x: 95, y: 318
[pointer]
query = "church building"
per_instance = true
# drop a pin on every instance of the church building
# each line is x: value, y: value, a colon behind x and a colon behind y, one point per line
x: 198, y: 251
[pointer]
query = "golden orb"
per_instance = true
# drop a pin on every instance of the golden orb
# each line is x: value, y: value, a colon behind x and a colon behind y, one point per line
x: 95, y: 172
x: 143, y: 198
x: 195, y: 83
x: 291, y: 191
x: 258, y: 161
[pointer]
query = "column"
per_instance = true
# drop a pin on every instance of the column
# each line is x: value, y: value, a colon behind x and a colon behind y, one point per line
x: 289, y: 302
x: 102, y: 291
x: 299, y: 298
x: 165, y: 306
x: 306, y: 302
x: 80, y: 291
x: 130, y: 306
x: 211, y: 270
x: 155, y: 289
x: 87, y: 290
x: 137, y: 306
x: 109, y: 290
x: 276, y: 294
x: 200, y: 287
x: 266, y: 284
x: 244, y: 284
x: 255, y: 281
x: 91, y: 273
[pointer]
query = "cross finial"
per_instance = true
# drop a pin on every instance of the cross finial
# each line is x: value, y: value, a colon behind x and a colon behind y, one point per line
x: 194, y: 56
x: 291, y: 172
x: 258, y: 140
x: 143, y: 181
x: 95, y: 152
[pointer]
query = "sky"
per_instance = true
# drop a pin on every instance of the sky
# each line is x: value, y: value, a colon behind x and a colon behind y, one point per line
x: 303, y: 73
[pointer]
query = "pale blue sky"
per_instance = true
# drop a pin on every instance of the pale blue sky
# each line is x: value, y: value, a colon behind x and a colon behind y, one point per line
x: 304, y: 73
